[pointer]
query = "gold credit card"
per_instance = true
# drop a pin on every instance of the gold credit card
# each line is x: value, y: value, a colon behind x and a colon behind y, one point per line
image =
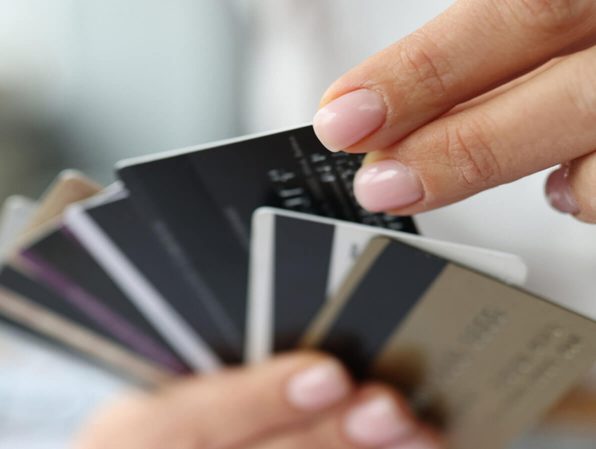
x: 483, y: 359
x: 68, y: 188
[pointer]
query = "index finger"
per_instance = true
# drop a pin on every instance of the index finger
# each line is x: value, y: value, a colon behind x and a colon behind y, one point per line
x: 471, y: 48
x: 544, y: 122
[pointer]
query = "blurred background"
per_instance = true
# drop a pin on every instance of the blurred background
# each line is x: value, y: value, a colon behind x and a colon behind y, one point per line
x: 84, y: 83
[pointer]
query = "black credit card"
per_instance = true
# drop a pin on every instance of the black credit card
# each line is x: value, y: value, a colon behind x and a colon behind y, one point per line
x: 41, y: 314
x: 199, y: 203
x: 21, y: 284
x: 58, y: 261
x: 119, y: 239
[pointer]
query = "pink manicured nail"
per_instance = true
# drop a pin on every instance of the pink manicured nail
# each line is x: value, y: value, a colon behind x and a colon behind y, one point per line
x: 349, y: 119
x: 318, y: 387
x: 559, y: 193
x: 386, y: 185
x: 377, y: 422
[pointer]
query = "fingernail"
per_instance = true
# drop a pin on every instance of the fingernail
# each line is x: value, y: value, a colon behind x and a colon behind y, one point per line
x: 386, y: 185
x: 318, y: 387
x: 559, y: 193
x: 377, y: 422
x: 349, y: 119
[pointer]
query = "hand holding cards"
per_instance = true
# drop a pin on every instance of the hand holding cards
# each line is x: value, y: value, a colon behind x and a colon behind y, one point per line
x: 181, y: 268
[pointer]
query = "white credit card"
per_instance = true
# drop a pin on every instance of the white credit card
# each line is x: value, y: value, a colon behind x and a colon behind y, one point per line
x: 300, y: 260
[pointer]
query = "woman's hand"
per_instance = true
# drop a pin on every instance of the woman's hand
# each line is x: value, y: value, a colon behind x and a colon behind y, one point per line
x: 293, y: 402
x: 490, y: 91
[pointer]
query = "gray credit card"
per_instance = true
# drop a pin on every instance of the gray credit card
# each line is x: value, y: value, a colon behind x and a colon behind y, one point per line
x: 483, y: 358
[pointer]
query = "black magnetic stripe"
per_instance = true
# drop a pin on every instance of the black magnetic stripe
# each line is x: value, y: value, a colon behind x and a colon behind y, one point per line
x: 302, y: 256
x: 395, y: 282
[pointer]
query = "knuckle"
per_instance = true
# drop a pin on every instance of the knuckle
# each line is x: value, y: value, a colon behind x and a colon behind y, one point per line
x: 470, y: 155
x: 550, y: 16
x: 421, y: 56
x: 580, y: 87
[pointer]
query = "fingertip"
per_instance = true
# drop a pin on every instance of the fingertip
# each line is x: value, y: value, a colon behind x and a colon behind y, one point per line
x: 582, y: 181
x: 387, y: 185
x: 372, y: 389
x: 348, y: 119
x: 559, y: 193
x: 379, y: 417
x: 317, y: 382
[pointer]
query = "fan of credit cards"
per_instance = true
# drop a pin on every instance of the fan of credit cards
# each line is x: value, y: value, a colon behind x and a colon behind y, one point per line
x: 229, y: 253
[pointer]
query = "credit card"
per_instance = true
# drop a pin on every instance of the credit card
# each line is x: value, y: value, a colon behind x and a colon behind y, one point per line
x: 25, y: 304
x: 486, y: 358
x: 299, y: 260
x: 57, y: 260
x: 119, y: 240
x: 42, y: 323
x: 69, y: 187
x: 199, y: 203
x: 33, y: 309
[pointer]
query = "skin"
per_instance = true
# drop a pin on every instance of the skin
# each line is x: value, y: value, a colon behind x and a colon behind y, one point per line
x: 488, y: 92
x: 244, y: 408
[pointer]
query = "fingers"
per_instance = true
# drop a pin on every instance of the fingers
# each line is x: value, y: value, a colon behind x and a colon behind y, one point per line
x: 582, y: 181
x: 559, y: 192
x: 571, y: 189
x: 295, y: 401
x: 226, y: 409
x: 579, y: 46
x: 543, y: 122
x: 376, y: 417
x: 474, y: 46
x: 500, y: 90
